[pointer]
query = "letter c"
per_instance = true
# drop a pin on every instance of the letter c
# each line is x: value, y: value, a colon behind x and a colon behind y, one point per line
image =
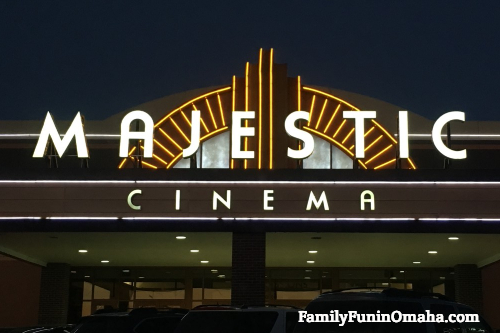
x: 129, y: 199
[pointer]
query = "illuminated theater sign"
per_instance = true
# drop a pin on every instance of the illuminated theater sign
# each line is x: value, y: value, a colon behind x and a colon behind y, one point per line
x: 264, y: 112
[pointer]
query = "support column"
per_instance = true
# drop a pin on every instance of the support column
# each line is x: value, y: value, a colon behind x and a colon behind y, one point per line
x: 468, y: 286
x: 54, y: 294
x: 249, y: 269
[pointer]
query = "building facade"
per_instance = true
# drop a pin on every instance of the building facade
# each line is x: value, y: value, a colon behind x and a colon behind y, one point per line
x: 242, y: 220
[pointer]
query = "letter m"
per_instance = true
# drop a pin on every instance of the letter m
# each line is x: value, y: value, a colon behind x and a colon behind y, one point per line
x: 49, y: 130
x: 317, y: 203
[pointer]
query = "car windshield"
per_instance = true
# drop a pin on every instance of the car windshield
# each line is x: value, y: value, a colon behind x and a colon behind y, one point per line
x: 362, y: 307
x: 228, y: 322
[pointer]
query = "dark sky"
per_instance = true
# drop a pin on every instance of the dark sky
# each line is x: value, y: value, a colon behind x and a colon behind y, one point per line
x: 101, y: 57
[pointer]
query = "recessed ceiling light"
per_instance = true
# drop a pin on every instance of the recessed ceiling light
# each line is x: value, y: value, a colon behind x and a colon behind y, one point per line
x: 393, y: 278
x: 141, y: 277
x: 385, y: 283
x: 105, y: 261
x: 310, y: 261
x: 195, y: 251
x: 204, y: 261
x: 221, y: 276
x: 453, y: 238
x: 401, y: 271
x: 87, y: 276
x: 307, y: 278
x: 308, y: 271
x: 83, y: 251
x: 180, y: 237
x: 442, y: 278
x: 214, y: 271
x: 73, y: 272
x: 126, y: 270
x: 433, y: 252
x: 313, y: 251
x: 324, y: 276
x: 416, y: 262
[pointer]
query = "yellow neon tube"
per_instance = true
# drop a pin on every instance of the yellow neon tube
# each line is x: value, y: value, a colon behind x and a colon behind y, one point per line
x: 179, y: 129
x: 259, y: 164
x: 221, y: 111
x: 331, y: 96
x: 245, y: 163
x: 383, y: 129
x: 348, y: 135
x: 340, y: 127
x: 271, y: 110
x: 311, y: 110
x: 369, y: 131
x: 173, y: 141
x: 211, y: 113
x: 190, y: 102
x: 380, y: 153
x: 185, y: 118
x: 413, y: 165
x: 149, y: 165
x: 335, y: 142
x: 331, y: 119
x: 386, y: 163
x: 162, y: 147
x: 321, y: 114
x: 374, y: 142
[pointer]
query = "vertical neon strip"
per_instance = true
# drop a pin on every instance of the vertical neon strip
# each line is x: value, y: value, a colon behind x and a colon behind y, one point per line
x: 321, y: 114
x: 259, y: 164
x: 271, y: 110
x: 246, y: 109
x: 221, y: 111
x: 299, y: 102
x: 311, y: 110
x: 234, y: 108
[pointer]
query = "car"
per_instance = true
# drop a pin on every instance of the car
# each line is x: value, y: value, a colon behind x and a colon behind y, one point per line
x: 385, y: 301
x: 245, y: 319
x: 143, y: 320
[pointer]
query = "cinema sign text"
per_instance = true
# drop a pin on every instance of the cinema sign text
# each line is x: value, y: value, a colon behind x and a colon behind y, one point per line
x: 238, y: 131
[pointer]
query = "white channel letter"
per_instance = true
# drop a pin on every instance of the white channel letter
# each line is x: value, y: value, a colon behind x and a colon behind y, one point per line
x: 317, y: 203
x: 359, y: 129
x: 195, y: 135
x: 436, y: 135
x: 217, y: 198
x: 403, y: 134
x: 130, y: 197
x: 299, y: 134
x: 370, y: 199
x: 147, y: 135
x: 49, y: 130
x: 177, y: 199
x: 267, y: 198
x: 237, y: 132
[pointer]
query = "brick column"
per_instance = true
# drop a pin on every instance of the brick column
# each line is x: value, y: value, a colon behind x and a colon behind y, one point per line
x: 468, y: 286
x: 54, y: 294
x: 249, y: 269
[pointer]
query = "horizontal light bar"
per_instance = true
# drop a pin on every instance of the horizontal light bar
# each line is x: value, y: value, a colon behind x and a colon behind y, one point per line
x: 257, y: 182
x: 31, y: 135
x: 455, y: 135
x: 81, y: 218
x: 172, y: 218
x: 461, y: 219
x: 20, y: 218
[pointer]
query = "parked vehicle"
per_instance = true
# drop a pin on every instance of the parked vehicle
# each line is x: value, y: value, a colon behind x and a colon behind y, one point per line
x: 145, y: 320
x: 369, y: 301
x: 228, y: 319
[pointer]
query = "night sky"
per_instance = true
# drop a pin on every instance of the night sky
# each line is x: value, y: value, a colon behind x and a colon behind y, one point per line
x: 102, y: 57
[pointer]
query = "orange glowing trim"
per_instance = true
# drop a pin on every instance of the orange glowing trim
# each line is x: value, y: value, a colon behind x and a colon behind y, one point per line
x: 245, y: 163
x: 204, y: 125
x: 340, y: 127
x: 173, y: 141
x: 232, y: 164
x: 132, y: 150
x: 174, y: 161
x: 122, y: 163
x: 271, y: 110
x: 221, y: 111
x: 259, y: 164
x: 347, y: 136
x: 380, y: 153
x: 311, y: 110
x: 383, y: 130
x: 159, y: 159
x: 222, y: 129
x: 335, y: 142
x: 298, y: 94
x: 412, y: 165
x: 190, y: 102
x: 162, y: 147
x: 369, y: 131
x: 179, y: 129
x: 185, y: 118
x: 350, y: 148
x: 211, y: 113
x: 149, y: 165
x: 234, y: 93
x: 386, y: 163
x: 321, y: 114
x: 331, y: 96
x: 362, y: 164
x: 374, y: 142
x: 331, y: 119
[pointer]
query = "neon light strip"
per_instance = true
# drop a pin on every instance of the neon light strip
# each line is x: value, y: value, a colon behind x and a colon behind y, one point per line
x: 179, y: 129
x: 204, y: 125
x: 380, y: 153
x: 162, y: 147
x: 338, y: 144
x: 347, y: 136
x: 331, y: 96
x: 384, y: 164
x: 459, y: 219
x: 81, y: 218
x: 374, y: 142
x: 271, y: 110
x: 340, y: 127
x: 383, y: 130
x: 311, y: 110
x: 149, y: 165
x: 259, y: 161
x: 190, y: 102
x: 159, y: 159
x: 331, y: 119
x: 186, y: 118
x: 245, y: 163
x: 234, y: 108
x: 221, y: 111
x: 211, y: 113
x: 172, y: 218
x: 249, y: 182
x: 321, y: 114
